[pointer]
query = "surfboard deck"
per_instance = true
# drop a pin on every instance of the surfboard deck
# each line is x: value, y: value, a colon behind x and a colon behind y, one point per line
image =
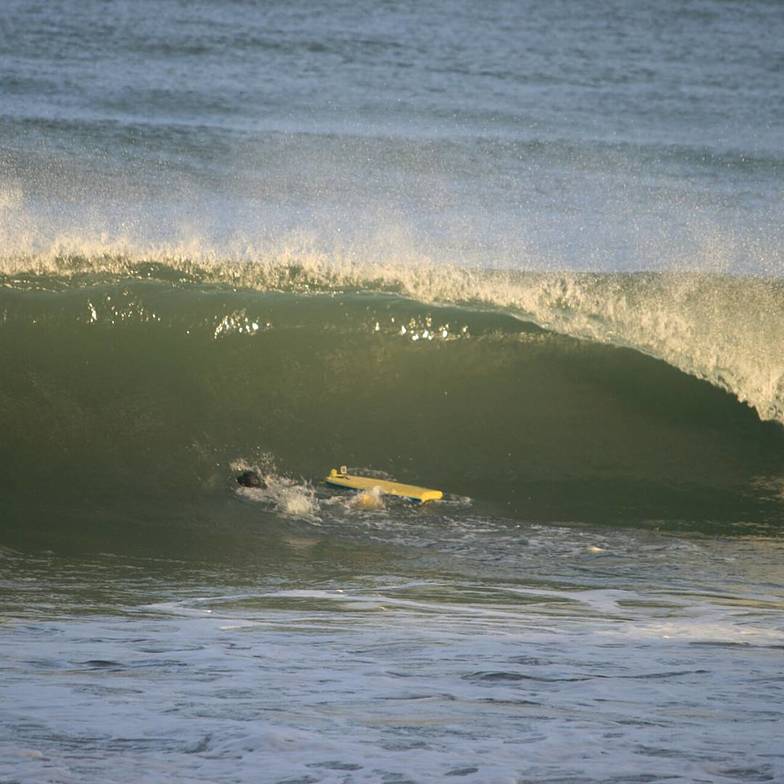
x: 339, y: 478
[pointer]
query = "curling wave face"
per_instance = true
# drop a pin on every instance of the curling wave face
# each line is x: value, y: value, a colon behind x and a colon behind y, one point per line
x: 725, y: 329
x: 145, y: 379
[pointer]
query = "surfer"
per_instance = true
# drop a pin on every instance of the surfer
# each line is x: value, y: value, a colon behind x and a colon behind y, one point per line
x: 371, y: 488
x: 250, y: 478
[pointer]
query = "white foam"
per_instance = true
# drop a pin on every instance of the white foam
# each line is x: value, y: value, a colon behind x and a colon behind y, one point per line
x: 287, y: 496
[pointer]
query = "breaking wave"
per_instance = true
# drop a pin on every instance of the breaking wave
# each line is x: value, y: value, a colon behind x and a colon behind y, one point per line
x: 727, y: 330
x: 548, y: 395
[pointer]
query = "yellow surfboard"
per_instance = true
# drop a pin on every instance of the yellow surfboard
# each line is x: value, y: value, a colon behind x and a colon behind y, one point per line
x: 339, y: 477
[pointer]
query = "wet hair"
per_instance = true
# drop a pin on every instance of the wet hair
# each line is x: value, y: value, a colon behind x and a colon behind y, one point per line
x: 249, y: 479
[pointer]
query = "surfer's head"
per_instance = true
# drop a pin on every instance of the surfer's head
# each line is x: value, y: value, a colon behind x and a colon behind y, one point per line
x: 249, y: 479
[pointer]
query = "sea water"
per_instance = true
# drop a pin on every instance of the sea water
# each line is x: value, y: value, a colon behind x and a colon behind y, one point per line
x: 528, y: 253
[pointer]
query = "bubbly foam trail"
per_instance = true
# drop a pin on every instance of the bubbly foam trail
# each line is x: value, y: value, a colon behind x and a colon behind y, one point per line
x: 726, y: 330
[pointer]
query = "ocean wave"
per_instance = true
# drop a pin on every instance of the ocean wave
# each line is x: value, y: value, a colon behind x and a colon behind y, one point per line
x: 727, y: 330
x: 129, y: 380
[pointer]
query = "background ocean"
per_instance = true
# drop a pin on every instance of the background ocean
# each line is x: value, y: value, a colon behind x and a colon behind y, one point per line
x: 527, y: 252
